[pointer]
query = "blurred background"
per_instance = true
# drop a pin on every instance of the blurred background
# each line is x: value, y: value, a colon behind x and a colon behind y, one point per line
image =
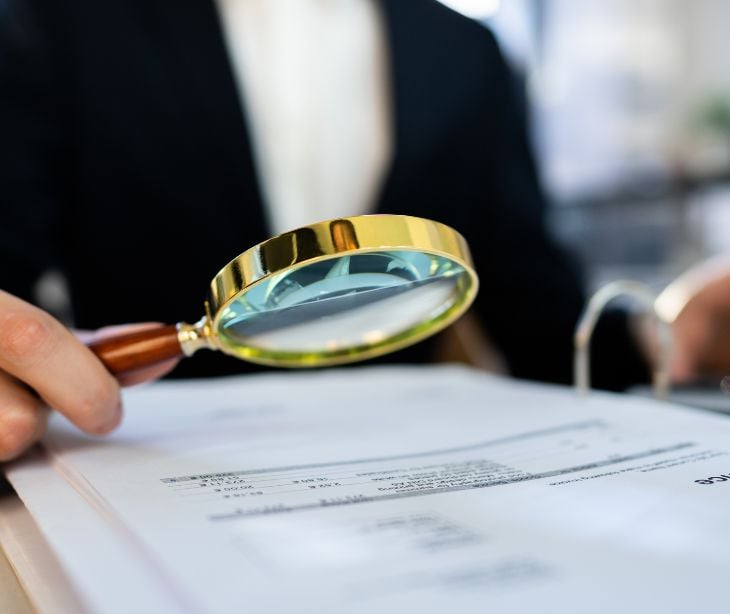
x: 630, y: 109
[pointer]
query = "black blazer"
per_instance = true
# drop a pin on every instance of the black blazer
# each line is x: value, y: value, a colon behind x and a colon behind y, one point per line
x: 125, y: 161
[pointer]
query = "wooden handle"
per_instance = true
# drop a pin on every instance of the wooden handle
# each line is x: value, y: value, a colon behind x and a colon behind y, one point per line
x: 138, y: 350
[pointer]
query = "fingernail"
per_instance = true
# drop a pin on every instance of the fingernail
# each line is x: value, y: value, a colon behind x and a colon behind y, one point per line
x: 112, y: 422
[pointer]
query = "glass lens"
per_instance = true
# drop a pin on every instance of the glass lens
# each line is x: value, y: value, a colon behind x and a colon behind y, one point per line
x: 344, y: 304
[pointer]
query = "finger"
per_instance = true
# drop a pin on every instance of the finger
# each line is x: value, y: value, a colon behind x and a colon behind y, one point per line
x: 702, y: 330
x: 141, y: 375
x: 710, y: 277
x: 42, y: 353
x: 22, y: 419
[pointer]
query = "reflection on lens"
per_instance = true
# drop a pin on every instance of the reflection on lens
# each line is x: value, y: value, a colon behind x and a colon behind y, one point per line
x: 345, y: 302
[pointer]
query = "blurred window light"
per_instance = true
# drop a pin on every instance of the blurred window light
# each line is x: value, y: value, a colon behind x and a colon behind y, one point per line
x: 476, y: 9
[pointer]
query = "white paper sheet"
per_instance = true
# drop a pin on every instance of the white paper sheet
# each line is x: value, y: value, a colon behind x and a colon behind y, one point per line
x: 420, y: 489
x: 96, y: 569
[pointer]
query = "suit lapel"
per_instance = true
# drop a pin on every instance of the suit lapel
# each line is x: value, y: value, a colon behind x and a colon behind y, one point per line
x: 208, y: 93
x: 415, y: 99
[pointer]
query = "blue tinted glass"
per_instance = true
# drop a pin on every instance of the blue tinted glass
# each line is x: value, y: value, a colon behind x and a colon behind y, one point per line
x: 342, y: 302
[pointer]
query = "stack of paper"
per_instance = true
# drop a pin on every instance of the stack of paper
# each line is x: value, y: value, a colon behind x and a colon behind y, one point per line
x: 389, y: 490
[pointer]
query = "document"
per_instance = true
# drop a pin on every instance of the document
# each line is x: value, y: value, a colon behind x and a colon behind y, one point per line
x: 404, y: 489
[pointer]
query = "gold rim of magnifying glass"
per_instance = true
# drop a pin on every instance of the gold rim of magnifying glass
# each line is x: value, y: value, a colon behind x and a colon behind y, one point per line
x: 321, y: 241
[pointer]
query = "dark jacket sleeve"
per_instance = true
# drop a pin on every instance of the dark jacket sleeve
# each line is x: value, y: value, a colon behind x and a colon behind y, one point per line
x: 32, y: 143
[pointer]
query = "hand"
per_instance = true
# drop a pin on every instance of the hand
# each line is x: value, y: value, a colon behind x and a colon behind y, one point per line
x: 43, y: 364
x: 698, y: 306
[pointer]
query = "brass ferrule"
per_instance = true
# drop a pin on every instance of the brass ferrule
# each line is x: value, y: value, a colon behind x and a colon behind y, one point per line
x: 193, y: 337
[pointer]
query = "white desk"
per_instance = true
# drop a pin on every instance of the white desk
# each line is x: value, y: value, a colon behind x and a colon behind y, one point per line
x: 12, y: 595
x: 15, y: 520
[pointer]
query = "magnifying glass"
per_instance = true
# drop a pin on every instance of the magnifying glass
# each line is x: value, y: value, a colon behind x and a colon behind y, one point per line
x: 330, y: 293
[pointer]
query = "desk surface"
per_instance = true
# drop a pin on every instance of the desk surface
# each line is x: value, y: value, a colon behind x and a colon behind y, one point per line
x: 12, y: 596
x: 22, y: 542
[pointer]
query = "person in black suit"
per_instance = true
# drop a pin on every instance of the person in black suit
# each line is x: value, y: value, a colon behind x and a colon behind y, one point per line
x: 125, y: 152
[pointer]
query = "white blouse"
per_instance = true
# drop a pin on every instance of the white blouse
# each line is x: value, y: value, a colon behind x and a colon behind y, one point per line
x: 313, y: 79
